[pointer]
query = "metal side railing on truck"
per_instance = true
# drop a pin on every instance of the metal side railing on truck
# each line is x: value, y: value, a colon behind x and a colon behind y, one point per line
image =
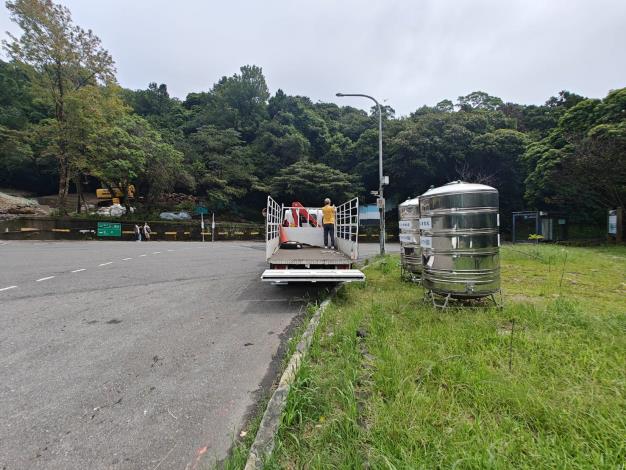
x: 294, y: 238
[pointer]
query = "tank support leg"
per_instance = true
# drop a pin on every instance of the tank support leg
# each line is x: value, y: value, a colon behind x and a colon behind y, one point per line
x: 499, y: 304
x: 443, y: 302
x: 431, y: 296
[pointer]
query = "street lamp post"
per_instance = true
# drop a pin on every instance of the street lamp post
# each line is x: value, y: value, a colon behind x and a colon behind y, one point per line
x: 381, y: 182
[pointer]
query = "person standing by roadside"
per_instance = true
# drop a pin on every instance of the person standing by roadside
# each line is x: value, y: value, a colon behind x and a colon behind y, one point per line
x: 146, y: 231
x: 137, y: 233
x: 328, y: 220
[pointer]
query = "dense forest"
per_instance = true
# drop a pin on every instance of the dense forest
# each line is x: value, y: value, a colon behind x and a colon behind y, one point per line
x: 66, y: 124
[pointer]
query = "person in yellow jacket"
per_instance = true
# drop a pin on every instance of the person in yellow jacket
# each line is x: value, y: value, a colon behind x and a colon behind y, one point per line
x: 328, y: 220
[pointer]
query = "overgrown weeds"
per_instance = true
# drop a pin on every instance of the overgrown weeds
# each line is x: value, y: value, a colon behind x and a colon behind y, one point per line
x: 392, y: 383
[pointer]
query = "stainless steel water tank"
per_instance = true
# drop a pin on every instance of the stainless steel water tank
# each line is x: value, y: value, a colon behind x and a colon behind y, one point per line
x: 410, y: 251
x: 460, y: 240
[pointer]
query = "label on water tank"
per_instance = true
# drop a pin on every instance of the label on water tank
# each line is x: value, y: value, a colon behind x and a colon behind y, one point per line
x: 405, y: 224
x: 426, y: 242
x: 407, y: 238
x: 426, y: 223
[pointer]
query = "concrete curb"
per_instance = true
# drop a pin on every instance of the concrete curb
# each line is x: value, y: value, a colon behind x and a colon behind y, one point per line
x: 263, y: 444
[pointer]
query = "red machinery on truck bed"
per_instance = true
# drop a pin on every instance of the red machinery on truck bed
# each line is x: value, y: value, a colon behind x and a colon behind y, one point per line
x: 294, y: 240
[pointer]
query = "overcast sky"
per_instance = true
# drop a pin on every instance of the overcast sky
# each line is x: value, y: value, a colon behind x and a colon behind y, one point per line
x: 410, y: 53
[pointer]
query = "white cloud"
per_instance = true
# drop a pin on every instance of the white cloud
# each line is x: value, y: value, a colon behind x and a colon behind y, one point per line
x: 409, y: 52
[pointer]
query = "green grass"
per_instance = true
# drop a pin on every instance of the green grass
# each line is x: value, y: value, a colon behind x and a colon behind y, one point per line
x: 391, y: 382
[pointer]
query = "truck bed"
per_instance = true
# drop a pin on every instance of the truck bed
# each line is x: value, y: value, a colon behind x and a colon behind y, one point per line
x: 309, y: 255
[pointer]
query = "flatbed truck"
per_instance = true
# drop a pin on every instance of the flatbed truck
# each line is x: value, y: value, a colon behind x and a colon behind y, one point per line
x: 294, y: 250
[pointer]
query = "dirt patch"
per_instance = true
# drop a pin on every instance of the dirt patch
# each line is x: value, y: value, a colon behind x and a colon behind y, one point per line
x: 15, y: 206
x: 521, y: 298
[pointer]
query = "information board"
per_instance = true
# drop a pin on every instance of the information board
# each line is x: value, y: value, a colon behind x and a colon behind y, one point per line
x: 109, y: 229
x: 613, y: 224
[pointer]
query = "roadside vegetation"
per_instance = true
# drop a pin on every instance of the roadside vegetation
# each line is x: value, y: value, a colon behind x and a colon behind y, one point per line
x: 66, y: 125
x: 391, y: 382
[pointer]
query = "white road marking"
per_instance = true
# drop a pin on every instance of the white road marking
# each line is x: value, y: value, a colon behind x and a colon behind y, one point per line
x: 44, y: 278
x: 143, y: 255
x: 126, y: 259
x: 104, y: 264
x: 170, y: 250
x: 7, y: 288
x: 156, y: 252
x: 78, y: 270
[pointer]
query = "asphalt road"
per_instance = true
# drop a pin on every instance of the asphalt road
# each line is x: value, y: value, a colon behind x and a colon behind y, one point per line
x: 135, y: 355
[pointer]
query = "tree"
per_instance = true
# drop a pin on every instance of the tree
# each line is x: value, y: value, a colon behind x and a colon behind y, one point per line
x: 564, y: 99
x: 22, y: 164
x: 238, y: 142
x: 309, y: 183
x: 479, y: 100
x: 278, y: 146
x: 165, y: 114
x: 238, y: 102
x: 128, y: 151
x: 221, y: 166
x: 428, y: 151
x: 580, y: 165
x: 445, y: 106
x: 65, y: 58
x: 495, y: 159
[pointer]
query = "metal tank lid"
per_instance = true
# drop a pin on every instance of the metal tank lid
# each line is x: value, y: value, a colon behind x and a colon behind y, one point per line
x: 458, y: 187
x: 410, y: 202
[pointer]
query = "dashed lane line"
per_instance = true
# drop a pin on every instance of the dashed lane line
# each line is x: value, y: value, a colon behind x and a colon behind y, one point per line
x: 77, y: 270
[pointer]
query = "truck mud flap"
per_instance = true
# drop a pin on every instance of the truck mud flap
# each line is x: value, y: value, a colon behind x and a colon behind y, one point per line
x: 312, y: 275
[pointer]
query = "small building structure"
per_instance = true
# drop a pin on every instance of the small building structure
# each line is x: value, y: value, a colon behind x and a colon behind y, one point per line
x: 368, y: 215
x: 551, y: 226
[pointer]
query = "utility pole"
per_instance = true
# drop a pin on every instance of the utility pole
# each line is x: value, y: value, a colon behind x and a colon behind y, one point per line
x: 381, y: 179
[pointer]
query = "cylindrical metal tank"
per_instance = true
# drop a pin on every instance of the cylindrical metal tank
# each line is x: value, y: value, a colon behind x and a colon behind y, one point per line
x: 410, y: 251
x: 460, y: 240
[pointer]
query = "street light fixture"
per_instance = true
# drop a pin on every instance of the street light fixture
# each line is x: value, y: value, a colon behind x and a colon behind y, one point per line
x: 381, y: 179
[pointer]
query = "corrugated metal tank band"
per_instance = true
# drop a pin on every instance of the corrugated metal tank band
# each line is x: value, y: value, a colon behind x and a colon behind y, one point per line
x: 410, y: 251
x: 460, y: 240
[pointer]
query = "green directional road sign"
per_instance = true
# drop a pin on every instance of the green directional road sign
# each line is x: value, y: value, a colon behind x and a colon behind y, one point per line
x: 201, y: 210
x: 109, y: 229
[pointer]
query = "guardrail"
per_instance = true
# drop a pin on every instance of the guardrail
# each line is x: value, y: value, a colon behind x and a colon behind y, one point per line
x: 35, y: 228
x: 48, y: 228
